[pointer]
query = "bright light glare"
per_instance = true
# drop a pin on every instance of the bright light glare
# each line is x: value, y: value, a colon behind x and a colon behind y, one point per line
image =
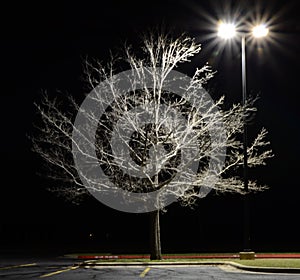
x: 260, y: 31
x: 226, y: 30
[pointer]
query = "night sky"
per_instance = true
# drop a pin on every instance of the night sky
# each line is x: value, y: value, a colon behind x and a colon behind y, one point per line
x: 42, y: 48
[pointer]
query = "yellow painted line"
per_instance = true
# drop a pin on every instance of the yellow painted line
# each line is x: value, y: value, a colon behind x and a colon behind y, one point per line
x: 18, y: 266
x: 59, y: 271
x: 143, y: 274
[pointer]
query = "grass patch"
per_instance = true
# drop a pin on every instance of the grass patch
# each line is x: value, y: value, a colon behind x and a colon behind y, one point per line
x: 290, y: 263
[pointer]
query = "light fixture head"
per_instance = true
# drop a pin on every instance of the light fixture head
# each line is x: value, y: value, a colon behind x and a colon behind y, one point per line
x: 226, y: 30
x: 259, y: 31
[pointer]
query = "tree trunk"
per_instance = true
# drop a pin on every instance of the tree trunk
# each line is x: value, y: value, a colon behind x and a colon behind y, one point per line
x: 155, y: 247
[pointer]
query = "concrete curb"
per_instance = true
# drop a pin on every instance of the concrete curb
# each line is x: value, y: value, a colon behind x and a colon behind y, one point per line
x: 88, y: 264
x: 264, y: 269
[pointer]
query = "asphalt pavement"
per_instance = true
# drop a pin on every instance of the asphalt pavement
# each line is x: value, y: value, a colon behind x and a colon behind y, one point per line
x: 42, y: 271
x: 66, y: 269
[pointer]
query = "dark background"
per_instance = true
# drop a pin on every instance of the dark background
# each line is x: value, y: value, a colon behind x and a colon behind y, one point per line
x: 42, y: 47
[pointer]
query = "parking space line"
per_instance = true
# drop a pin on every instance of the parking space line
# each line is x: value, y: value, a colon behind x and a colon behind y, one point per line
x: 59, y: 271
x: 143, y: 274
x: 18, y: 266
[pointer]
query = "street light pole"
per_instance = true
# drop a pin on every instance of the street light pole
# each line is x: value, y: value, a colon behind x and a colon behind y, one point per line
x: 228, y: 31
x: 246, y: 239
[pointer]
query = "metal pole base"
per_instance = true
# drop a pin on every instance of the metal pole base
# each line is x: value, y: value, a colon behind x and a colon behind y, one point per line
x: 247, y: 255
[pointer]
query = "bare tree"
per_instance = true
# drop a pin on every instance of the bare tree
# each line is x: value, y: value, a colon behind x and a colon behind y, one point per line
x: 151, y: 144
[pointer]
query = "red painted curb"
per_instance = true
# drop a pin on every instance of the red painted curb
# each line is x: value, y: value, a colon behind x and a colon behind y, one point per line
x: 259, y: 256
